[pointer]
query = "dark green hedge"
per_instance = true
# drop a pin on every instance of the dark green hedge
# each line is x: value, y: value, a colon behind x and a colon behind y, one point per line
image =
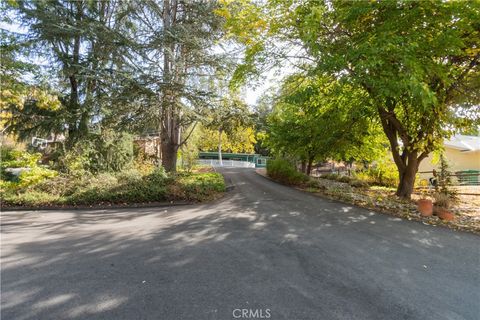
x: 283, y: 171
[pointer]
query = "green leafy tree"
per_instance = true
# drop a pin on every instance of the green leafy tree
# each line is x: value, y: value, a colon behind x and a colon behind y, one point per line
x: 418, y: 61
x: 135, y: 66
x: 239, y: 140
x: 316, y: 118
x: 261, y: 113
x: 227, y: 116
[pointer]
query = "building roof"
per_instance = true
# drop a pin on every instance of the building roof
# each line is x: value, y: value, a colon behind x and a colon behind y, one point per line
x: 463, y: 143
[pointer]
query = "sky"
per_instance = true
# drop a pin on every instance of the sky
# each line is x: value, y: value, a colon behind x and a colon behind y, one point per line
x: 270, y: 79
x: 252, y: 93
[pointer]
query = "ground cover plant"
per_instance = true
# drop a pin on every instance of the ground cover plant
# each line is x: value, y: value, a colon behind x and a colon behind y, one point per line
x: 40, y: 186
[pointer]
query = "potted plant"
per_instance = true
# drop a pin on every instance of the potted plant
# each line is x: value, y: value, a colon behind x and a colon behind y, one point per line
x: 444, y: 214
x: 425, y: 206
x: 442, y: 203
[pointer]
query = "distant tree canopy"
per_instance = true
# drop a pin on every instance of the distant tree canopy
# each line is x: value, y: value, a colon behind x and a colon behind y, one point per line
x: 230, y: 118
x: 241, y: 139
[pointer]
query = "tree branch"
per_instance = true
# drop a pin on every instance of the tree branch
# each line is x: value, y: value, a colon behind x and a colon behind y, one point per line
x: 455, y: 84
x: 188, y: 136
x: 390, y: 131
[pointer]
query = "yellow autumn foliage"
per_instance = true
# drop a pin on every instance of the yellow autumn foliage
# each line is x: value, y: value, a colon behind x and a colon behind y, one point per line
x: 242, y: 140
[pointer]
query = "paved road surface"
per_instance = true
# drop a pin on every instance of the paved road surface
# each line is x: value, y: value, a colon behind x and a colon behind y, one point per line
x: 264, y: 247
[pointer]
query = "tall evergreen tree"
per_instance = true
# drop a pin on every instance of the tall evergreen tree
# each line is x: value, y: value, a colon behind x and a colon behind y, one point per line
x: 176, y: 41
x: 80, y: 41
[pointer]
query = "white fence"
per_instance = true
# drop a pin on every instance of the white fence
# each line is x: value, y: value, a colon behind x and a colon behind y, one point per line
x: 226, y: 163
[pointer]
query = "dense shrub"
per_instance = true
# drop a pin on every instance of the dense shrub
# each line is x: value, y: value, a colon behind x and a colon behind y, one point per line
x: 143, y: 164
x: 13, y: 158
x: 315, y: 184
x: 159, y: 176
x: 61, y: 185
x: 197, y: 187
x: 124, y: 187
x: 30, y: 198
x: 345, y: 179
x: 353, y: 181
x: 283, y: 171
x: 146, y: 189
x: 105, y: 152
x: 359, y: 183
x: 35, y: 175
x: 31, y: 175
x: 6, y: 176
x: 312, y: 183
x: 74, y: 163
x: 108, y: 151
x: 128, y: 176
x: 87, y: 179
x: 330, y: 176
x: 383, y: 174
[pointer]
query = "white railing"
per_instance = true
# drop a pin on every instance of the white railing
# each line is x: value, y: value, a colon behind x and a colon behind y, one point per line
x: 226, y: 163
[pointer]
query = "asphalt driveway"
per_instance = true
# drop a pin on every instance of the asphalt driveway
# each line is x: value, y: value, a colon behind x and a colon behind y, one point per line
x: 273, y: 251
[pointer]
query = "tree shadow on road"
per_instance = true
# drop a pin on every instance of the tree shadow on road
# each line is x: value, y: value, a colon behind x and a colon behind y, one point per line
x: 201, y: 262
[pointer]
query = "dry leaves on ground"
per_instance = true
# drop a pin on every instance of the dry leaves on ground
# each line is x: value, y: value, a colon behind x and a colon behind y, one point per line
x: 381, y: 199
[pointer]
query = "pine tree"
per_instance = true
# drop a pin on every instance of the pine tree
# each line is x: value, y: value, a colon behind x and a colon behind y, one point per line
x: 81, y: 42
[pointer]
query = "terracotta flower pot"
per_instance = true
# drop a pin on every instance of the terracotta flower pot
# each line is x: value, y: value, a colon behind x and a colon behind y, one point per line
x: 425, y: 206
x: 444, y: 214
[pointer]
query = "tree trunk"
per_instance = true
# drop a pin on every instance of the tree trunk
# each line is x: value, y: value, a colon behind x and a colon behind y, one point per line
x: 304, y: 166
x: 407, y: 161
x: 74, y: 105
x: 158, y: 151
x: 220, y: 147
x: 169, y: 156
x: 309, y: 166
x: 170, y: 126
x: 407, y: 182
x: 407, y: 170
x: 170, y: 138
